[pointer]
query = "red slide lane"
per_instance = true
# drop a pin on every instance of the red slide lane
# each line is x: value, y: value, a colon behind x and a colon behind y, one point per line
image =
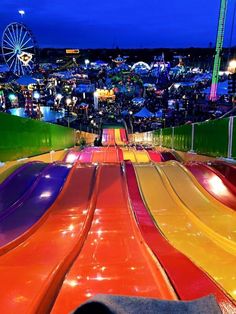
x: 188, y: 280
x: 227, y: 170
x: 214, y: 183
x: 123, y: 135
x: 155, y: 156
x: 114, y: 259
x: 32, y: 272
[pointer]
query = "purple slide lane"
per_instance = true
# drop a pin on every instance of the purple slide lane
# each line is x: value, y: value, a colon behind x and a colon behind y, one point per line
x: 18, y: 183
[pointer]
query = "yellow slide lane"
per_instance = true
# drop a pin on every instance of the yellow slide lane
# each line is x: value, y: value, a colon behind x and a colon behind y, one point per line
x: 118, y: 138
x: 135, y: 155
x: 182, y: 231
x: 216, y: 216
x: 142, y: 156
x: 128, y: 154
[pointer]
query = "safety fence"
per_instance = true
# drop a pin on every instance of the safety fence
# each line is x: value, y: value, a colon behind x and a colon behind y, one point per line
x: 215, y: 138
x: 20, y: 137
x: 146, y: 137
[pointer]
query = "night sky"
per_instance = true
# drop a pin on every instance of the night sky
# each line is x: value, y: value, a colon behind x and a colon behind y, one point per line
x: 123, y: 23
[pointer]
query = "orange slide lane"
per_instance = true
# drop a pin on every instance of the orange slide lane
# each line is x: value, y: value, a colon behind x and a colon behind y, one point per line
x: 106, y: 154
x: 114, y: 258
x: 32, y: 273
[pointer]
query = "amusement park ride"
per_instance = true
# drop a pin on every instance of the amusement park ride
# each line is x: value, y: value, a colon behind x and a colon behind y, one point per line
x: 19, y: 52
x: 19, y: 48
x: 219, y: 46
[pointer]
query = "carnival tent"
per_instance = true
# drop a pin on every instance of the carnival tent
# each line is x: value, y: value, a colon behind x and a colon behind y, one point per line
x: 144, y: 113
x: 26, y: 80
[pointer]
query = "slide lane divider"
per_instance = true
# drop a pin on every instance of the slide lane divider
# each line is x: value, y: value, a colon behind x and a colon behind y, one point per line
x: 189, y: 281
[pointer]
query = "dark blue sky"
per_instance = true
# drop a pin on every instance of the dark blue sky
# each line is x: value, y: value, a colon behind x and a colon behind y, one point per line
x: 123, y: 23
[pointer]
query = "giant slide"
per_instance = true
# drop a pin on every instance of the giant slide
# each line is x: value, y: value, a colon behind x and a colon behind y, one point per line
x: 114, y: 137
x: 96, y: 223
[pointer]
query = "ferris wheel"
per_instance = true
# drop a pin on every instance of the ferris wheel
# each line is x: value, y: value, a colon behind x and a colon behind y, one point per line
x: 19, y: 48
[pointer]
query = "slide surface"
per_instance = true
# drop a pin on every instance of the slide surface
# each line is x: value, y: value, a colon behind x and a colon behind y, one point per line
x: 182, y: 231
x: 106, y: 154
x: 114, y: 259
x: 95, y: 154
